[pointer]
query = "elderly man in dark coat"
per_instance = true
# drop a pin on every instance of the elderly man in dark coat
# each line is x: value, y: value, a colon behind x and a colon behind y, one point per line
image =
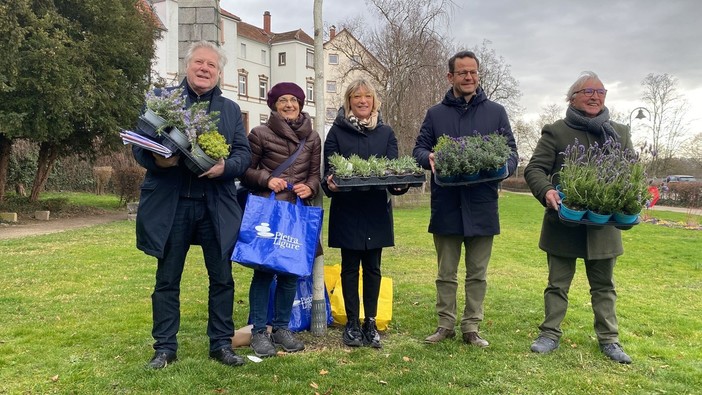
x: 178, y: 208
x: 587, y: 120
x: 462, y: 215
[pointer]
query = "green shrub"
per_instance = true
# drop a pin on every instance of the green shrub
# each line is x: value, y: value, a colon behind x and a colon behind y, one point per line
x: 128, y: 182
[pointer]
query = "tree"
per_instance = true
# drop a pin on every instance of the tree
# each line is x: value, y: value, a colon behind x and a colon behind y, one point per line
x: 527, y: 133
x: 82, y: 69
x: 668, y: 109
x: 318, y: 325
x: 497, y: 80
x: 405, y: 56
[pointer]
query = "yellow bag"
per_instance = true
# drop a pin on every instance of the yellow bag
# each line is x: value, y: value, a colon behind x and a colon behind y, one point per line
x: 332, y: 275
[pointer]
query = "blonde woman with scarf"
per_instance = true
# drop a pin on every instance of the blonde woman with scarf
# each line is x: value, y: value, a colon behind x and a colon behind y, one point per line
x: 360, y: 222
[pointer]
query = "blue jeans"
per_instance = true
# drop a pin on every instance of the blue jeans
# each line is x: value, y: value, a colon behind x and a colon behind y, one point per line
x: 192, y: 223
x: 259, y: 295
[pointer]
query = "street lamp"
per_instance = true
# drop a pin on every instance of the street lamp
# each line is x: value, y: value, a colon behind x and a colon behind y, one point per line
x: 640, y: 115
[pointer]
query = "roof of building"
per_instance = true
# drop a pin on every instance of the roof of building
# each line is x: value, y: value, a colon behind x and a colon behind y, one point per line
x: 260, y: 35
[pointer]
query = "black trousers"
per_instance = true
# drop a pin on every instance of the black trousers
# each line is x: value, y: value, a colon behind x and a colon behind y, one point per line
x: 351, y: 260
x: 192, y: 223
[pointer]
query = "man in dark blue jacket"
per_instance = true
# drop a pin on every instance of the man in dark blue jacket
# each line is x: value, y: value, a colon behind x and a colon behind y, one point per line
x: 178, y: 208
x: 462, y: 215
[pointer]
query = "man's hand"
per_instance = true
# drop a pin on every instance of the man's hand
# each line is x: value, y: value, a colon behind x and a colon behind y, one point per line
x: 431, y: 162
x: 166, y: 162
x: 553, y: 199
x: 216, y: 170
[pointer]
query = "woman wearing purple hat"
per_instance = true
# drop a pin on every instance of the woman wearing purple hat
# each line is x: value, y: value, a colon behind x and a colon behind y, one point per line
x: 271, y: 144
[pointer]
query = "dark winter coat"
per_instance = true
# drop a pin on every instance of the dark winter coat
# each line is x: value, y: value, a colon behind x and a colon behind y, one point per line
x: 470, y: 210
x: 271, y: 144
x: 541, y: 174
x: 360, y: 220
x: 162, y: 187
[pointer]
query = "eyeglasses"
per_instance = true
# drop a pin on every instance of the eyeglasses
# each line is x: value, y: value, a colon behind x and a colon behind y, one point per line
x: 464, y: 73
x: 284, y: 101
x: 589, y: 92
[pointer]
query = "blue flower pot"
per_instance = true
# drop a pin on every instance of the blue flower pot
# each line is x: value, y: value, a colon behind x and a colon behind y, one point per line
x: 571, y: 214
x: 470, y: 177
x: 560, y: 192
x: 597, y: 217
x: 447, y: 179
x: 625, y: 218
x: 495, y: 173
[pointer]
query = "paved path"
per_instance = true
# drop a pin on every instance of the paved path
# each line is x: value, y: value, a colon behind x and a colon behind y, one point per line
x: 36, y: 227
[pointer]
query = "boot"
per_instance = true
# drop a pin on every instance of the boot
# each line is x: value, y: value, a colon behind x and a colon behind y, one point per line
x: 371, y: 337
x: 352, y: 334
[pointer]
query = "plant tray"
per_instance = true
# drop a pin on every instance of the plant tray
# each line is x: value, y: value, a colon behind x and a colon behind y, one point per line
x: 587, y: 222
x: 368, y: 183
x: 463, y: 183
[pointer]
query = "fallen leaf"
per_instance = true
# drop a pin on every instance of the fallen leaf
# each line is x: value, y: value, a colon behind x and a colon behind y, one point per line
x: 323, y: 372
x: 314, y: 385
x: 54, y: 378
x: 383, y: 382
x: 406, y: 359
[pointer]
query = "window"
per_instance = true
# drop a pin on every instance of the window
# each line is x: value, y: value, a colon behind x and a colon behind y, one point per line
x: 263, y: 118
x: 242, y: 51
x: 356, y: 59
x: 333, y: 58
x: 264, y: 56
x: 310, y: 92
x: 331, y: 112
x: 281, y: 59
x: 243, y: 85
x: 310, y: 59
x: 331, y: 86
x: 262, y: 89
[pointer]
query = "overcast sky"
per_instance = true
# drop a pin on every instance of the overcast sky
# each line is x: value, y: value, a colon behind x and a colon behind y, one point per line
x: 549, y: 42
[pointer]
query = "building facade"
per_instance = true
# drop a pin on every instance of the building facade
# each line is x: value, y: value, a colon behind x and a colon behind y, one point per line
x: 257, y: 57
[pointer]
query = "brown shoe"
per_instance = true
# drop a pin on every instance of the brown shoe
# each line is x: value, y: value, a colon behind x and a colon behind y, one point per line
x: 475, y: 339
x: 439, y: 335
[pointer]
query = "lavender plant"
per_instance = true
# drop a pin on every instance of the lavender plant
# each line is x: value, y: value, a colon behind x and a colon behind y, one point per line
x: 603, y: 178
x: 198, y: 125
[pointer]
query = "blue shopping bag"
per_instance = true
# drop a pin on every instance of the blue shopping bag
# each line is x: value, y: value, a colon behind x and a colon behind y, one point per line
x: 278, y: 236
x: 301, y: 313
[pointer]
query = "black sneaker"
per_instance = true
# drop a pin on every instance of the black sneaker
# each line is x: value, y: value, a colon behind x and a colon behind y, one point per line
x: 262, y: 345
x: 544, y: 345
x: 615, y: 352
x: 227, y: 356
x: 161, y: 359
x: 371, y: 337
x: 352, y: 334
x: 284, y: 337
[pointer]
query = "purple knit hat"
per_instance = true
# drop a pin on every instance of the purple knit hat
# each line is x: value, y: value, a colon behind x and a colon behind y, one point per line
x: 285, y: 88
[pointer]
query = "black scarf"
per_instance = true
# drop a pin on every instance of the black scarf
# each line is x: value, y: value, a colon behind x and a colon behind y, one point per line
x: 599, y: 125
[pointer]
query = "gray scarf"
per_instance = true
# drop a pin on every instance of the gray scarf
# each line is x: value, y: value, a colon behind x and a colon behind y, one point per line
x: 599, y: 125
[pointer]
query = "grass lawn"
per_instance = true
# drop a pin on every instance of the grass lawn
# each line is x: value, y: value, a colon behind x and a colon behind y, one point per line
x: 75, y: 317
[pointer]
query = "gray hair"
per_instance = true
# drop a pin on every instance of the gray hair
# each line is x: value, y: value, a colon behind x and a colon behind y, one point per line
x: 209, y: 45
x: 584, y: 77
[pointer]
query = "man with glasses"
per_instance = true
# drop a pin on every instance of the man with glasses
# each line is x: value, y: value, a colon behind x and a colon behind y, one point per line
x: 587, y: 123
x: 463, y: 215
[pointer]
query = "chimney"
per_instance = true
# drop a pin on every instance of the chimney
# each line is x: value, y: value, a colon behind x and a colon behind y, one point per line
x: 332, y: 32
x: 267, y: 22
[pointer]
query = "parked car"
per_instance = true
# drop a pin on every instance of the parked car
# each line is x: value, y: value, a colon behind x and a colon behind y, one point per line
x: 680, y: 178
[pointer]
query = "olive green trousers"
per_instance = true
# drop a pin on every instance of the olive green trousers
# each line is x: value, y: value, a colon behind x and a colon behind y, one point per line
x: 448, y: 250
x: 603, y: 296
